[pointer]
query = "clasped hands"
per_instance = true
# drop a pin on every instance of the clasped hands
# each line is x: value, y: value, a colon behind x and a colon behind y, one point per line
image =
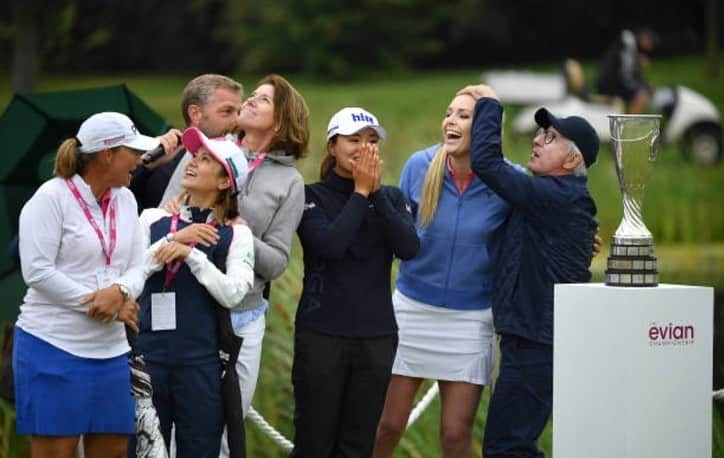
x: 367, y: 170
x: 110, y: 304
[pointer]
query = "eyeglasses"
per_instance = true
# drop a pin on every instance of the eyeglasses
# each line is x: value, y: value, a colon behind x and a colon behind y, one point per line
x: 548, y: 136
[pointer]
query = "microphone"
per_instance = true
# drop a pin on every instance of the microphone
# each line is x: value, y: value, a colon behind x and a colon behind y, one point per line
x: 156, y: 153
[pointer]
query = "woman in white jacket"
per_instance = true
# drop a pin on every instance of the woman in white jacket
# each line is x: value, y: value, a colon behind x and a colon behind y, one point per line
x: 81, y: 255
x: 196, y: 264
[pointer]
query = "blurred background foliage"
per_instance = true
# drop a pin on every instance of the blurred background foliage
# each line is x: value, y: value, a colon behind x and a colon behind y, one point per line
x: 336, y: 38
x: 403, y: 60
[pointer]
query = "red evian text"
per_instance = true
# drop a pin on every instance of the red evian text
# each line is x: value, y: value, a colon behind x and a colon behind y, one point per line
x: 671, y: 332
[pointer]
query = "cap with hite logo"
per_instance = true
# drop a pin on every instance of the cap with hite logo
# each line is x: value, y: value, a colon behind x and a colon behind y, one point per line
x: 224, y: 151
x: 109, y: 130
x: 350, y: 120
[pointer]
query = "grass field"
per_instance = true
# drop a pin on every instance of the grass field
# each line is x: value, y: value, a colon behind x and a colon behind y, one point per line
x: 683, y: 209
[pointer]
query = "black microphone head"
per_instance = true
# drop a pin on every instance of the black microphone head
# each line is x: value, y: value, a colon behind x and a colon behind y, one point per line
x: 153, y: 155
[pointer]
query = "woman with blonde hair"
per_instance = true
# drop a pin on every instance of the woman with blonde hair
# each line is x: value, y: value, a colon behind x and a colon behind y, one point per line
x: 443, y: 297
x: 81, y: 251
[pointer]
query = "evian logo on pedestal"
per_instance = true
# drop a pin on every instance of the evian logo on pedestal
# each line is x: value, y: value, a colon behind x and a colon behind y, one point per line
x: 670, y: 334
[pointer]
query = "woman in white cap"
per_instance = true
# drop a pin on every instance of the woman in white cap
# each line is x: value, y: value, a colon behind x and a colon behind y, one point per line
x: 81, y: 250
x: 346, y: 336
x: 197, y: 265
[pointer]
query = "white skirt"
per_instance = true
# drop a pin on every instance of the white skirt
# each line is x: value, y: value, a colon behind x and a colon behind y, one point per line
x: 443, y: 344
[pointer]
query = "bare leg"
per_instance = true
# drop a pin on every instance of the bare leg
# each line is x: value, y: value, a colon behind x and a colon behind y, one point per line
x: 639, y: 103
x: 53, y: 446
x: 105, y: 445
x: 459, y: 403
x: 398, y: 404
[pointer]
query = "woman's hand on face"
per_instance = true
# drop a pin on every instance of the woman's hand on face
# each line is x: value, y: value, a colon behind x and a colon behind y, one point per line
x: 171, y: 251
x: 363, y: 170
x: 104, y: 303
x: 128, y: 314
x: 201, y: 233
x: 378, y: 167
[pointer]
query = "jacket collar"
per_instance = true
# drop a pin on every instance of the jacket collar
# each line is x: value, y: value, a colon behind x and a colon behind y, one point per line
x: 279, y: 156
x: 196, y: 214
x: 339, y: 183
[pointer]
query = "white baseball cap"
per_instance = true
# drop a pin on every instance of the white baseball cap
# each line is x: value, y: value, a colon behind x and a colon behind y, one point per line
x: 224, y: 151
x: 109, y: 130
x: 351, y: 120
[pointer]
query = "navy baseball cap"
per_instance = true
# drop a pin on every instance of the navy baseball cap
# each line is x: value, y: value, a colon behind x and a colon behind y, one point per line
x: 576, y: 129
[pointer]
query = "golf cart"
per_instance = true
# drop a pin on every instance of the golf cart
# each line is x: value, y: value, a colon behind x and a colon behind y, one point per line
x: 690, y: 119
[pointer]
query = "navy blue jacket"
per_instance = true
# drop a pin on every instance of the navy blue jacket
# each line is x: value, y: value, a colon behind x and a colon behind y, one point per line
x: 548, y: 238
x: 195, y: 339
x: 349, y: 242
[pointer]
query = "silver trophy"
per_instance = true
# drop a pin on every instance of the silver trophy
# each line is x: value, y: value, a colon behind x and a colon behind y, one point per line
x: 634, y: 140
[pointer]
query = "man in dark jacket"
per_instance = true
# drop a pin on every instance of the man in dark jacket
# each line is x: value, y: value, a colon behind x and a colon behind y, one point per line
x: 210, y: 102
x: 620, y: 71
x: 547, y: 240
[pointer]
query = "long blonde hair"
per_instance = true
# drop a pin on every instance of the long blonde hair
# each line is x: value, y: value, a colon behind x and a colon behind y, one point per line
x: 431, y: 188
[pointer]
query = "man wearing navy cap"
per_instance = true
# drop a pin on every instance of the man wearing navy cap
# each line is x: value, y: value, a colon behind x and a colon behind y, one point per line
x: 547, y: 240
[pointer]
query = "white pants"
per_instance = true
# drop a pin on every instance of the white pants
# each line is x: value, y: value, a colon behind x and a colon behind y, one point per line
x: 247, y: 366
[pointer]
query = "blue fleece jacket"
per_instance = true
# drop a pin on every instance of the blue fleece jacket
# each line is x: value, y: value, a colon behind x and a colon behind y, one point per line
x: 547, y: 239
x: 453, y: 268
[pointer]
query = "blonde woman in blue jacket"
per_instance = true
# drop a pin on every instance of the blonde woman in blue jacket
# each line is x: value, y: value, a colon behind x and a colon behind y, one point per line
x: 443, y: 295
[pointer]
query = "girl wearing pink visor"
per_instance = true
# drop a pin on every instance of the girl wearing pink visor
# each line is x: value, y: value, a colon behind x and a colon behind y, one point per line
x: 198, y: 266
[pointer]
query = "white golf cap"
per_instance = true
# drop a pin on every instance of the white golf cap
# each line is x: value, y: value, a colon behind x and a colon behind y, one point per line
x: 224, y: 151
x: 109, y: 130
x: 351, y: 120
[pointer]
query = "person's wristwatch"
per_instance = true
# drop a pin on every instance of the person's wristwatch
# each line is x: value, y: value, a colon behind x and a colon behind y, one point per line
x: 124, y: 290
x: 169, y: 237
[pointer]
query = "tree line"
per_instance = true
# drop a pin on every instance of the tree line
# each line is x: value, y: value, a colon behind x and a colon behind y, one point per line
x: 334, y: 38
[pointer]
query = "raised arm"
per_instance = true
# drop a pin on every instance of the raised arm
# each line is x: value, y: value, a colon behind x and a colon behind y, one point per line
x: 520, y: 190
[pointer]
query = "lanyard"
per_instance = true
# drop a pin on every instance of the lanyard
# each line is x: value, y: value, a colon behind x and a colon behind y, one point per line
x: 107, y: 252
x: 173, y: 269
x: 256, y: 162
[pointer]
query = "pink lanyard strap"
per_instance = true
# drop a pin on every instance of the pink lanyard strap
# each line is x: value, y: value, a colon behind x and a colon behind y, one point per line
x: 173, y: 269
x: 107, y: 252
x: 256, y: 162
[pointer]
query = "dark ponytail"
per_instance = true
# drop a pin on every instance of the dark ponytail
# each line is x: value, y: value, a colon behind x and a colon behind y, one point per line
x: 328, y: 162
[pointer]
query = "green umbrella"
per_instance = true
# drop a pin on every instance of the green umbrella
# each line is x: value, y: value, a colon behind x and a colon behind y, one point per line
x: 31, y: 129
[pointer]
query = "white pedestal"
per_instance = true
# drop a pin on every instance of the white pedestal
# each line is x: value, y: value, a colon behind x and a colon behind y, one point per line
x: 632, y: 371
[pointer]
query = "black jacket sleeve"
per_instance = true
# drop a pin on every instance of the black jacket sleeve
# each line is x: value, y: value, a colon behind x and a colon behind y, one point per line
x: 399, y: 226
x: 330, y: 238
